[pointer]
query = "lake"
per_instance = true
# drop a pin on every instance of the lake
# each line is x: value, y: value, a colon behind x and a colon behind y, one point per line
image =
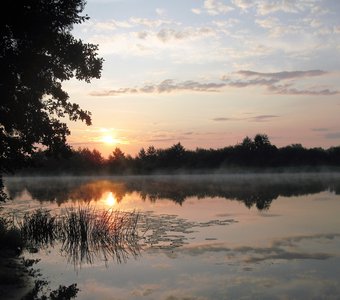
x: 260, y: 236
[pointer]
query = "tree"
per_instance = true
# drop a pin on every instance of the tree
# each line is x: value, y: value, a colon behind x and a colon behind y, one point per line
x: 37, y: 54
x: 141, y: 154
x: 116, y: 160
x: 85, y: 161
x: 173, y: 157
x: 261, y: 141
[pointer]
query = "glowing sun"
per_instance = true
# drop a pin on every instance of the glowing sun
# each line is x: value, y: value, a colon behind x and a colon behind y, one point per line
x: 108, y: 139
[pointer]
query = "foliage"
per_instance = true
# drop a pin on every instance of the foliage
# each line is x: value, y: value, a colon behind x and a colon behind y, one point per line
x: 62, y: 293
x: 3, y: 195
x: 37, y: 54
x: 116, y: 161
x: 10, y: 238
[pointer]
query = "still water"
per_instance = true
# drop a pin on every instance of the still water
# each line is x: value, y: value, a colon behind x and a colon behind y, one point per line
x: 258, y: 236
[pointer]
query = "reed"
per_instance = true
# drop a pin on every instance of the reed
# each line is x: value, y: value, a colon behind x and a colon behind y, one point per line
x: 39, y: 229
x: 84, y: 233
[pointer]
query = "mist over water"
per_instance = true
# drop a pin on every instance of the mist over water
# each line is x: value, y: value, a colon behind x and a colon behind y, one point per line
x: 247, y: 188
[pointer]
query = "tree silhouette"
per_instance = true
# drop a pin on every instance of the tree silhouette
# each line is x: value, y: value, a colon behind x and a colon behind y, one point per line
x: 116, y: 161
x: 173, y: 157
x: 247, y: 143
x: 85, y: 160
x: 261, y: 141
x: 37, y: 54
x: 243, y: 157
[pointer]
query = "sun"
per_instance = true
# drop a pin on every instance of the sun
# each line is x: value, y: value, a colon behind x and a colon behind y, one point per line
x: 108, y: 139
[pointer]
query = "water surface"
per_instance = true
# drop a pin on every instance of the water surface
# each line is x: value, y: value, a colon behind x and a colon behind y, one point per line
x: 205, y: 237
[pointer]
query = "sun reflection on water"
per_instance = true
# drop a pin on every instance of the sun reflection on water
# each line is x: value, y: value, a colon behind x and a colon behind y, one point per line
x: 110, y: 200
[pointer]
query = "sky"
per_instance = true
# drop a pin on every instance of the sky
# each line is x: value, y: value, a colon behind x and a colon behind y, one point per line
x: 207, y: 73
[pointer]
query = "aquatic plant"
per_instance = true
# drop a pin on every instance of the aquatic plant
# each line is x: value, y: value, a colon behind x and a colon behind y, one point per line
x: 39, y: 229
x: 84, y: 233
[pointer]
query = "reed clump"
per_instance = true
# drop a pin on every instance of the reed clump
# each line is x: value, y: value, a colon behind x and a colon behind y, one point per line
x: 84, y: 233
x: 39, y: 229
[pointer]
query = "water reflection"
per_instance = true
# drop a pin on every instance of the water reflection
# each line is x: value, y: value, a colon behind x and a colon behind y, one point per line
x: 84, y: 233
x: 211, y: 248
x: 110, y: 200
x: 258, y: 191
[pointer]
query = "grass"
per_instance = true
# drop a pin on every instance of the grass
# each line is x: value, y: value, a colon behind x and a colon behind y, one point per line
x: 84, y: 233
x: 39, y: 229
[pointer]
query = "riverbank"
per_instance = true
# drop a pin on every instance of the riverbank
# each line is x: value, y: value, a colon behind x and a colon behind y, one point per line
x: 15, y: 281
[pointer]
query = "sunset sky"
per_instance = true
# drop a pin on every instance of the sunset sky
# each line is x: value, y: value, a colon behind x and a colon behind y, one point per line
x: 208, y: 73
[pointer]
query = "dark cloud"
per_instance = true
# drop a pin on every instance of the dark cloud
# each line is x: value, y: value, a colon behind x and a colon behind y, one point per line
x: 147, y: 89
x: 257, y: 81
x: 166, y: 86
x: 283, y: 75
x: 142, y: 35
x: 263, y: 118
x: 169, y: 34
x: 224, y: 119
x: 321, y: 129
x: 114, y: 92
x: 333, y: 135
x: 274, y: 82
x: 287, y: 90
x: 259, y: 118
x: 169, y: 85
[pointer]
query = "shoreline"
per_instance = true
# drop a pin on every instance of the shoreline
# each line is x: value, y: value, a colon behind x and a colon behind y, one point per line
x: 15, y: 280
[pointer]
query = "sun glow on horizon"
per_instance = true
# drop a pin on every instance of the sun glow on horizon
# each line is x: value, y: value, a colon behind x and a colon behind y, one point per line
x: 108, y: 136
x: 109, y: 139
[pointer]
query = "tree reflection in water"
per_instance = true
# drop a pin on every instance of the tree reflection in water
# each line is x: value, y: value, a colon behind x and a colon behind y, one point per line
x: 257, y: 190
x: 84, y: 234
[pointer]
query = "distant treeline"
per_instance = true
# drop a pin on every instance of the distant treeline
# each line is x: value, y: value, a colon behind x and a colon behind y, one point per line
x: 253, y: 154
